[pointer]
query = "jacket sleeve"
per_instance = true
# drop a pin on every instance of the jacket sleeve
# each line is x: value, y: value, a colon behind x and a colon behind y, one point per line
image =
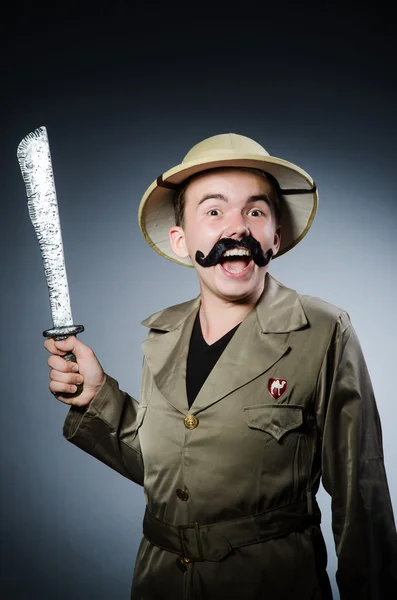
x: 108, y: 430
x: 353, y: 472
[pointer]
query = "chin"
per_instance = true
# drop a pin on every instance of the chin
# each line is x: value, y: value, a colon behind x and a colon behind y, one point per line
x: 238, y: 291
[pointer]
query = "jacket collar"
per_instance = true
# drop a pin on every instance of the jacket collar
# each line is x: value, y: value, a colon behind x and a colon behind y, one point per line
x: 278, y: 310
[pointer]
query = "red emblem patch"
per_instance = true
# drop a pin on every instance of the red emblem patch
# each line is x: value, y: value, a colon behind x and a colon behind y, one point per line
x: 277, y: 387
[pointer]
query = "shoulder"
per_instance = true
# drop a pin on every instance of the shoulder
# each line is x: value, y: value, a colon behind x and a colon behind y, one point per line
x: 285, y: 302
x: 320, y: 312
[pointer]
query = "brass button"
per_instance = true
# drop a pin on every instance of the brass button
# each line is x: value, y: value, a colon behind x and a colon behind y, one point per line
x: 185, y: 559
x: 182, y: 567
x: 191, y: 421
x: 182, y: 494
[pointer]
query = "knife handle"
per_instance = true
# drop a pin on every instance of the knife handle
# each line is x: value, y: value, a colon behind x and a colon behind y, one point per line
x: 61, y: 333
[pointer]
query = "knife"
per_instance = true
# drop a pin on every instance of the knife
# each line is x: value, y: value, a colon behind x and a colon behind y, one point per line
x: 34, y: 159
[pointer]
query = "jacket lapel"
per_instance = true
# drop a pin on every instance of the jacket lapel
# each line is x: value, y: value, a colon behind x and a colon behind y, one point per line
x: 259, y: 342
x: 166, y: 350
x: 249, y: 354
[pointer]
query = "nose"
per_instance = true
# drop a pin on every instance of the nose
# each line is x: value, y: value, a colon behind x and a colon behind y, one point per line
x: 236, y: 226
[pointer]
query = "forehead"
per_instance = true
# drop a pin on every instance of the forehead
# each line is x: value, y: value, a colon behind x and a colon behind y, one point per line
x: 228, y: 181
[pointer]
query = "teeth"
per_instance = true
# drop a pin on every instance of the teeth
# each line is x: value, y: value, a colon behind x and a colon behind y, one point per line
x: 237, y: 252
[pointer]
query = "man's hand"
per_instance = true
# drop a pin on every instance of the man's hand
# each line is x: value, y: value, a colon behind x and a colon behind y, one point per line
x: 66, y: 375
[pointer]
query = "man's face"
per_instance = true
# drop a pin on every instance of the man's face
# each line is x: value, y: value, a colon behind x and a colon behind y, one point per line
x: 227, y: 204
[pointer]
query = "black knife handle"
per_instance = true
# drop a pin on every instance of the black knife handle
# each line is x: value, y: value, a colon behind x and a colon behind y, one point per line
x: 61, y: 333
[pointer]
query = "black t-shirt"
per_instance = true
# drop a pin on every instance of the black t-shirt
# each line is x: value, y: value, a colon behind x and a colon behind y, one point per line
x: 201, y: 359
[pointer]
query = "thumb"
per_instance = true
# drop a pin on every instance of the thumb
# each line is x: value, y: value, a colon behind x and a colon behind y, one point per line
x: 71, y: 344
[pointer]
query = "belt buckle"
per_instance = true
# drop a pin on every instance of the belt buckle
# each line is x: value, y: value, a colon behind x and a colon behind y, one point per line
x: 185, y: 558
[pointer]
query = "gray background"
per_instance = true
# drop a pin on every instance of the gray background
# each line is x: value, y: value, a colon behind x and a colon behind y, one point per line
x: 124, y: 94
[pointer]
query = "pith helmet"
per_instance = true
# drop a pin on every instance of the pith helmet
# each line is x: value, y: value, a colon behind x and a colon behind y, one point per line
x: 298, y: 190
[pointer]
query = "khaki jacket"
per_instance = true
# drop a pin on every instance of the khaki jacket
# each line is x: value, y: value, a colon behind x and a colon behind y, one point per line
x: 230, y: 484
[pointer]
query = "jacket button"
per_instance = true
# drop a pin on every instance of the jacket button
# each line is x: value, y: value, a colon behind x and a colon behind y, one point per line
x: 181, y: 565
x: 191, y: 421
x: 182, y: 494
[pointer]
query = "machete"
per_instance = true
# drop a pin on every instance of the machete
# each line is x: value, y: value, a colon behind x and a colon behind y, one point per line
x: 34, y: 159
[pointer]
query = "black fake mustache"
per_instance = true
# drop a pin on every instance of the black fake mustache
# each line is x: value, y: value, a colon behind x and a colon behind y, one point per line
x: 250, y: 243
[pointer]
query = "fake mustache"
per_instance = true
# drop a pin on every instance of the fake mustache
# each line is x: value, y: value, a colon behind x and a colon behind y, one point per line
x: 216, y: 254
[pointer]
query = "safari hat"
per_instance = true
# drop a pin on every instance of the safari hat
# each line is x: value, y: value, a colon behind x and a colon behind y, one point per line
x: 298, y: 190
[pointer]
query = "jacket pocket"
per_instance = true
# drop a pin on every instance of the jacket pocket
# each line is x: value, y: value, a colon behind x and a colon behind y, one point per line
x: 276, y: 419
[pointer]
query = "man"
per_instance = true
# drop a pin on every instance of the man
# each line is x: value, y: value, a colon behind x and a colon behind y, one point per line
x: 250, y: 394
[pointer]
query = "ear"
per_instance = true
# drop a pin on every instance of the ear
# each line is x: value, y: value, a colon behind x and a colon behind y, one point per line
x: 177, y: 241
x: 277, y: 240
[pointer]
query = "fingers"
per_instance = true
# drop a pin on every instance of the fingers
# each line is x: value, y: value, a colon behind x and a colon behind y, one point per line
x: 69, y: 378
x: 62, y: 378
x: 57, y: 388
x: 60, y: 364
x: 66, y: 375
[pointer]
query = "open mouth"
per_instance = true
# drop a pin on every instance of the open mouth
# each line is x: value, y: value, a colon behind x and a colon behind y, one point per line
x: 236, y: 260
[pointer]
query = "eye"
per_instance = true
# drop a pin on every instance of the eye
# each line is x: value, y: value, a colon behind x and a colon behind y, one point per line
x: 256, y: 212
x: 214, y: 212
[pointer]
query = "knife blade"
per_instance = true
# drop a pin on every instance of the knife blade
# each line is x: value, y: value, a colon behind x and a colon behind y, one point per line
x: 34, y: 159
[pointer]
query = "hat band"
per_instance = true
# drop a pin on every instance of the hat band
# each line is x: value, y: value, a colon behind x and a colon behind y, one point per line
x: 290, y: 192
x: 299, y: 191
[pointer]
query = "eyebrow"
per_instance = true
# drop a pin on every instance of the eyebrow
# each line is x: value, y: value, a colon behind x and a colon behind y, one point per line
x: 251, y: 199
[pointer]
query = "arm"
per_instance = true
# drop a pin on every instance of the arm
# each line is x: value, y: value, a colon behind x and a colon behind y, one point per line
x: 353, y: 472
x: 108, y: 430
x: 102, y: 420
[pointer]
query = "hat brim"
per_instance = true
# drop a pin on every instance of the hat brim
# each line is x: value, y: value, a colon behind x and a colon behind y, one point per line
x: 299, y: 194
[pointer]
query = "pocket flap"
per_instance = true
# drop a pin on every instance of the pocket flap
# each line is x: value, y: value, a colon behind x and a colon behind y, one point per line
x: 275, y: 419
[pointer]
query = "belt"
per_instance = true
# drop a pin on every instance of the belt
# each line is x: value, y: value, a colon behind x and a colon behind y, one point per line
x: 197, y: 542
